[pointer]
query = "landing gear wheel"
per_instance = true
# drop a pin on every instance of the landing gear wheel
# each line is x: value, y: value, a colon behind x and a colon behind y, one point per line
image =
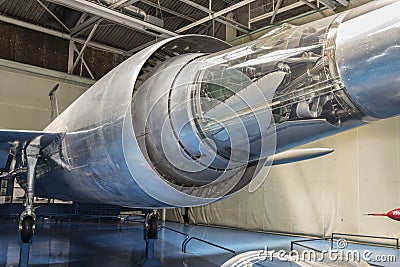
x: 26, y: 231
x: 151, y: 225
x: 153, y: 228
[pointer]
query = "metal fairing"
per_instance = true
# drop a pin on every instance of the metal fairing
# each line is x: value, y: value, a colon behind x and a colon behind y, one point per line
x: 99, y: 159
x: 318, y: 128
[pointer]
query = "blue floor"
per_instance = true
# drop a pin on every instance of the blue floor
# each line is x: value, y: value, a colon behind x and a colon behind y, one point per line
x: 90, y: 244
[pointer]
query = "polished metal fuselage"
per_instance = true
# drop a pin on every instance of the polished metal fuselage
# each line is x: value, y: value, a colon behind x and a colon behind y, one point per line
x: 110, y: 152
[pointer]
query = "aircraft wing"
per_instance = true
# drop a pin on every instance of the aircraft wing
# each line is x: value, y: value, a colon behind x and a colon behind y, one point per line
x: 21, y: 136
x: 15, y: 140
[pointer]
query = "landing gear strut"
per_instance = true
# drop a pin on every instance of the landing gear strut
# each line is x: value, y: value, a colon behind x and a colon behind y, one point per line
x: 27, y: 218
x: 150, y: 235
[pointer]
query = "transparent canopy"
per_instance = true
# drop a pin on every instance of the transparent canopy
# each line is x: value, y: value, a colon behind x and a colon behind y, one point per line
x: 243, y: 96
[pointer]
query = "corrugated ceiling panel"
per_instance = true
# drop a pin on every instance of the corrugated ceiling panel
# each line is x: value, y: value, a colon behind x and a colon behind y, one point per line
x: 119, y: 36
x: 27, y: 10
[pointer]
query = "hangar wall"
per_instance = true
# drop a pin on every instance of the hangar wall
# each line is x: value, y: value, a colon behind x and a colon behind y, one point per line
x: 34, y: 48
x: 25, y: 103
x: 24, y: 89
x: 323, y: 195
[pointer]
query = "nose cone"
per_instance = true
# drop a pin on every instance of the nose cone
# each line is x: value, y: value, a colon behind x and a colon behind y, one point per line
x: 368, y: 60
x: 394, y: 214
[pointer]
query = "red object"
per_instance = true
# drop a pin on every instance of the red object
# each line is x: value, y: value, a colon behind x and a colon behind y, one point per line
x: 393, y: 214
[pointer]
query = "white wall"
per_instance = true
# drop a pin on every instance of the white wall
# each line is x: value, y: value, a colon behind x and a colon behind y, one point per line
x: 327, y: 194
x: 24, y: 100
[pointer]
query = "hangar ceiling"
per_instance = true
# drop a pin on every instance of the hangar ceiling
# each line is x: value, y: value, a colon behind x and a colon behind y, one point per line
x: 126, y: 26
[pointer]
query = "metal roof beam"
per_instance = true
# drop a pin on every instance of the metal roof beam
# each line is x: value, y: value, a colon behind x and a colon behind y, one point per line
x: 244, y: 27
x: 115, y: 16
x: 85, y: 25
x: 310, y: 4
x: 233, y: 25
x: 80, y: 54
x: 123, y: 3
x: 199, y: 7
x: 213, y: 15
x: 222, y: 20
x: 329, y: 4
x: 281, y: 10
x: 228, y: 22
x: 53, y: 15
x: 61, y: 35
x: 89, y: 22
x: 277, y: 6
x: 343, y: 2
x: 170, y: 11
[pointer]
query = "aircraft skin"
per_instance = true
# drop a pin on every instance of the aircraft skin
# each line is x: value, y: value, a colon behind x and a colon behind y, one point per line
x: 189, y: 120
